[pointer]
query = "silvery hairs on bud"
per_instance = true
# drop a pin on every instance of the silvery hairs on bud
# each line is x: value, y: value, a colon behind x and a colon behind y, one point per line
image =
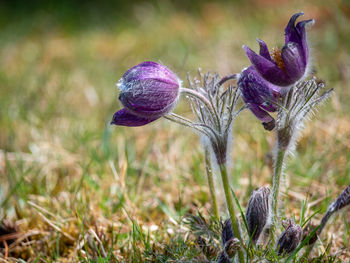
x: 258, y: 212
x: 290, y: 238
x: 148, y: 91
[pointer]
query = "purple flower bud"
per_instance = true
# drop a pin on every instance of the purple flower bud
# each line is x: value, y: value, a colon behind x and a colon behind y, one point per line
x: 148, y: 91
x: 227, y: 232
x: 259, y: 95
x: 258, y: 212
x: 288, y: 65
x: 289, y: 240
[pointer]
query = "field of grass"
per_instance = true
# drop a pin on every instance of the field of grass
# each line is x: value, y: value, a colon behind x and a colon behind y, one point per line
x: 73, y: 188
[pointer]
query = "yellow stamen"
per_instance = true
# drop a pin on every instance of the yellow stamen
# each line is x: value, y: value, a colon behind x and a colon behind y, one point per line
x: 276, y: 55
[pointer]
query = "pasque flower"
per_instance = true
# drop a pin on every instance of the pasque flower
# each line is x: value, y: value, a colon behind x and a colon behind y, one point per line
x: 288, y: 65
x: 259, y: 95
x: 148, y: 92
x: 274, y: 83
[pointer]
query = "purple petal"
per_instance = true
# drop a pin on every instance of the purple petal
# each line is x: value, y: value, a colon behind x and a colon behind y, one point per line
x: 257, y: 90
x: 264, y: 51
x: 267, y: 69
x: 124, y: 118
x: 149, y: 89
x: 259, y: 95
x: 291, y: 33
x: 150, y: 70
x: 156, y: 98
x: 269, y: 106
x: 297, y: 34
x: 293, y: 60
x: 263, y: 116
x: 302, y: 33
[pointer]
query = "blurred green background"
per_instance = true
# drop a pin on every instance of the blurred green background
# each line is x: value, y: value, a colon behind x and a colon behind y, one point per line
x: 59, y: 62
x: 61, y: 58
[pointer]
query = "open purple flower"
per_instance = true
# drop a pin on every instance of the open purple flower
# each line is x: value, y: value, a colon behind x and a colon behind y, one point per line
x: 288, y: 65
x: 148, y: 92
x: 259, y: 95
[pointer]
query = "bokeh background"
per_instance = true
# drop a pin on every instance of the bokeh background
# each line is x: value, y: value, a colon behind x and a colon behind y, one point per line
x: 64, y: 170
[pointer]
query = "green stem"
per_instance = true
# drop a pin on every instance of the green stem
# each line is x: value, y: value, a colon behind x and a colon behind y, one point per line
x: 231, y: 209
x: 211, y: 184
x: 279, y: 160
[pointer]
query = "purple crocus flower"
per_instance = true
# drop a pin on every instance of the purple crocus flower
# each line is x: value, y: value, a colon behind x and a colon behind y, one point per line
x: 148, y: 92
x: 288, y: 65
x: 259, y: 95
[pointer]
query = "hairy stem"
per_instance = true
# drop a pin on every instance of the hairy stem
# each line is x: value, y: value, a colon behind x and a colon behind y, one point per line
x: 279, y: 162
x: 209, y: 171
x: 230, y: 207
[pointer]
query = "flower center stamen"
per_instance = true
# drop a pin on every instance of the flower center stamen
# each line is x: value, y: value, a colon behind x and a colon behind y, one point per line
x: 276, y: 55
